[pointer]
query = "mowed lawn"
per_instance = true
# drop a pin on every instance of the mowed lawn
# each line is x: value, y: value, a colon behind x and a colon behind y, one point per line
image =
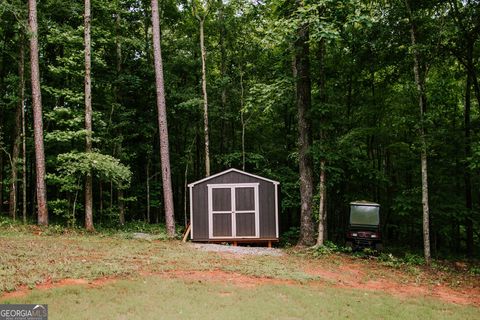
x: 160, y: 279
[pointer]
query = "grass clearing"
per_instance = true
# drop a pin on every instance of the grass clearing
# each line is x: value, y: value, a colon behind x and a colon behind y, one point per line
x: 31, y: 259
x: 159, y: 298
x: 292, y: 286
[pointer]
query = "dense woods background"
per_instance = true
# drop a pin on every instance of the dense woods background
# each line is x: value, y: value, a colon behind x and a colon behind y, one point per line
x: 342, y: 70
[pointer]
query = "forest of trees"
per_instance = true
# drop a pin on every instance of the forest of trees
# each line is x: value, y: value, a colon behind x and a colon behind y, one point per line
x: 339, y: 100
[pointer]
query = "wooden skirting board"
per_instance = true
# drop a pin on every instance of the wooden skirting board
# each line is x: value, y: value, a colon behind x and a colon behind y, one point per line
x: 235, y: 242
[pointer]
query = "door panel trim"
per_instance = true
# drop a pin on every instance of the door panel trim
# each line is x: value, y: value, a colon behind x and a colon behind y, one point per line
x: 232, y: 187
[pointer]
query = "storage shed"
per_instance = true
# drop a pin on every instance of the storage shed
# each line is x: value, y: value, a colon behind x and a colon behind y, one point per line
x: 234, y: 206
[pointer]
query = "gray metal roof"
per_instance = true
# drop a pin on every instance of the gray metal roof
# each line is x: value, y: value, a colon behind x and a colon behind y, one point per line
x: 232, y: 170
x: 364, y: 203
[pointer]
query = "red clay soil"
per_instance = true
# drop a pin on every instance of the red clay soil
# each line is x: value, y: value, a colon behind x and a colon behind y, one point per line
x: 347, y: 274
x: 347, y: 277
x: 49, y: 284
x: 353, y: 275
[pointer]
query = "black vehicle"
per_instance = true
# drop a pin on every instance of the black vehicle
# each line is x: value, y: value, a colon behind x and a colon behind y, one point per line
x: 364, y: 226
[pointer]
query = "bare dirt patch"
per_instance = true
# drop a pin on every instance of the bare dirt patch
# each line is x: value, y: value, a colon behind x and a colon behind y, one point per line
x: 22, y: 291
x: 373, y: 277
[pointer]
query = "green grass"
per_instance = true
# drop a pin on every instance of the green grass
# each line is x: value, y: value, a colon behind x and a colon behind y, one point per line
x: 159, y: 298
x: 29, y: 259
x: 31, y: 255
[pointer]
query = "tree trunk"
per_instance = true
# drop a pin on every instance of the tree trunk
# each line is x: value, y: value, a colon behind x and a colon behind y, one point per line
x: 223, y: 73
x: 1, y: 179
x: 185, y: 192
x: 162, y: 123
x: 118, y: 99
x: 422, y: 103
x: 100, y: 195
x: 242, y: 118
x: 37, y: 115
x: 88, y: 120
x: 205, y: 100
x: 17, y: 134
x: 468, y: 152
x: 303, y: 100
x: 121, y: 207
x: 148, y: 190
x: 24, y: 156
x: 322, y: 208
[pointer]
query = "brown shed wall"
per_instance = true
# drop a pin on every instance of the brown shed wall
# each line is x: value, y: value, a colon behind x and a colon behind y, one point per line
x: 266, y: 204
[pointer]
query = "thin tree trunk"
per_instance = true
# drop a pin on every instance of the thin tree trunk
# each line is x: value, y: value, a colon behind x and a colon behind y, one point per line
x: 75, y: 203
x: 21, y: 69
x: 1, y: 179
x: 100, y: 195
x: 37, y: 115
x: 303, y: 100
x: 242, y: 118
x: 88, y: 120
x: 24, y: 162
x: 223, y: 73
x: 162, y: 123
x: 118, y: 99
x: 468, y: 152
x: 422, y: 103
x: 118, y: 43
x: 205, y: 100
x: 17, y: 134
x: 322, y: 208
x: 157, y: 210
x: 111, y: 195
x: 121, y: 207
x: 185, y: 192
x: 148, y: 191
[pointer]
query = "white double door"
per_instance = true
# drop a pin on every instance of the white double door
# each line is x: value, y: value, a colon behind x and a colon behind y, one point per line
x: 233, y: 210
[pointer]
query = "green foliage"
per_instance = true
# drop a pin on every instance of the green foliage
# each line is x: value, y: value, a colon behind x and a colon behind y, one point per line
x: 409, y: 259
x: 475, y: 270
x: 364, y: 108
x: 290, y: 237
x: 61, y: 208
x: 104, y: 167
x: 327, y: 249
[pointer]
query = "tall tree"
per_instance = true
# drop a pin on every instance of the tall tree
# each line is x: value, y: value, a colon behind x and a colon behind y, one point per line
x: 303, y: 101
x: 88, y: 117
x: 201, y: 12
x: 24, y: 141
x: 41, y: 189
x: 17, y: 131
x: 322, y: 206
x: 162, y: 123
x: 420, y: 74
